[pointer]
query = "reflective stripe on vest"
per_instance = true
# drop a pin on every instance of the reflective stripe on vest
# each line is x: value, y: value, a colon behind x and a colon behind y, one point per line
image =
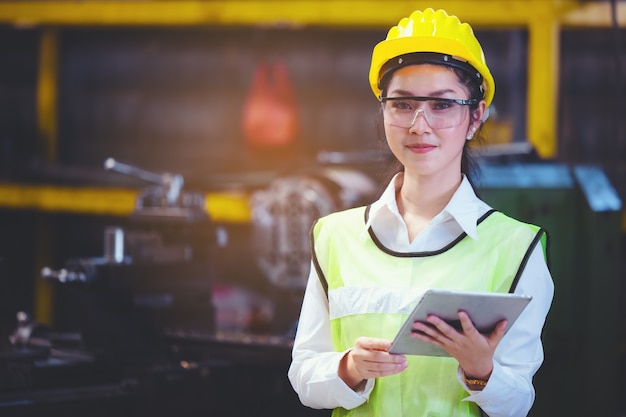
x: 371, y: 290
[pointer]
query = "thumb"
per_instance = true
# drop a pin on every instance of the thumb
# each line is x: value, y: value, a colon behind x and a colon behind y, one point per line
x: 499, y: 332
x: 373, y: 343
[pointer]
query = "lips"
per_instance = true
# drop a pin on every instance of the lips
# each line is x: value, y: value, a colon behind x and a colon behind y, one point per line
x: 421, y: 147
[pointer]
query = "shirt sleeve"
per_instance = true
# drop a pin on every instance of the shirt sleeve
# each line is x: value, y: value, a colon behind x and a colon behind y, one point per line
x: 315, y: 363
x: 510, y: 392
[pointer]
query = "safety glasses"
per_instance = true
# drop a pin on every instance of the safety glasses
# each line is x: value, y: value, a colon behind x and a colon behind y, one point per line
x: 439, y: 112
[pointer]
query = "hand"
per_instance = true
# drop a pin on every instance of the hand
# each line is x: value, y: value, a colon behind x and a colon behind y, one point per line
x: 369, y: 358
x: 474, y: 351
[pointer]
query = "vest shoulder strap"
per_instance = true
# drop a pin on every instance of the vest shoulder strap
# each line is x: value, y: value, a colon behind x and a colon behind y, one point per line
x: 542, y: 237
x: 315, y: 261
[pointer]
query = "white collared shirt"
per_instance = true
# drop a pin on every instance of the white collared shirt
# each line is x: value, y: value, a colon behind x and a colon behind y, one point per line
x: 314, y: 369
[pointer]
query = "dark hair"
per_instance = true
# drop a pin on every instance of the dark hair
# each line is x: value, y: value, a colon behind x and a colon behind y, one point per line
x: 469, y: 163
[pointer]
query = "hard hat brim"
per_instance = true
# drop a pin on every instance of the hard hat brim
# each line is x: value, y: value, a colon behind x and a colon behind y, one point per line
x: 392, y: 48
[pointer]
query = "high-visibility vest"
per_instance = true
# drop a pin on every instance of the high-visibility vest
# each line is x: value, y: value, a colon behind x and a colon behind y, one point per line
x: 372, y: 289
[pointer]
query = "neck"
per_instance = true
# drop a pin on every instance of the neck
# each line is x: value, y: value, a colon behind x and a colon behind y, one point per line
x: 426, y: 195
x: 420, y: 198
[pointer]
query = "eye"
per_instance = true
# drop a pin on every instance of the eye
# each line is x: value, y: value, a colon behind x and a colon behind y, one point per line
x: 442, y: 106
x: 402, y: 105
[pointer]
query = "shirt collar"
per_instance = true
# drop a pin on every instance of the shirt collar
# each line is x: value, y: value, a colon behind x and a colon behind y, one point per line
x: 386, y: 202
x: 463, y: 207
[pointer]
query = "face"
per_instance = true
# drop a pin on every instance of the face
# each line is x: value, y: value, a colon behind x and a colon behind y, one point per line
x: 423, y: 150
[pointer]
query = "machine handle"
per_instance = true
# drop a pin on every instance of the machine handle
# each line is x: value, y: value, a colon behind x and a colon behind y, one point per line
x: 111, y: 164
x: 172, y: 183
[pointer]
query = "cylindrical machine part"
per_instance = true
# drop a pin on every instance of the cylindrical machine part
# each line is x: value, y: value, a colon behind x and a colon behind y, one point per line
x: 114, y: 244
x: 283, y: 213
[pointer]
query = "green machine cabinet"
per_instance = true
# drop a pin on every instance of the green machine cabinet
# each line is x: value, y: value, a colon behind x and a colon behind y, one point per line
x: 582, y: 213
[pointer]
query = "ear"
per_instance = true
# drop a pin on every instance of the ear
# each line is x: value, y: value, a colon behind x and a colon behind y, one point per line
x: 478, y: 115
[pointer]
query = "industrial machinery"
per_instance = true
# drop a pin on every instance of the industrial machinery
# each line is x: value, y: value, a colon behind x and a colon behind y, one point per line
x: 136, y: 329
x: 284, y: 211
x: 154, y: 274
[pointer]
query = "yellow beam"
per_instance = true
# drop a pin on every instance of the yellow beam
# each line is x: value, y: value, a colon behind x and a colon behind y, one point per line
x: 595, y: 15
x: 343, y: 13
x: 43, y: 290
x: 47, y: 85
x: 47, y: 94
x: 223, y: 207
x: 115, y: 202
x: 543, y: 80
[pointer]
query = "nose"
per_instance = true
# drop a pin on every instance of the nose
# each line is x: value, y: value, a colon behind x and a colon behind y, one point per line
x: 419, y: 124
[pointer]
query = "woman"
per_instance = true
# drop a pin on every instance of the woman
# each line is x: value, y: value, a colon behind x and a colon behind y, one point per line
x: 427, y: 230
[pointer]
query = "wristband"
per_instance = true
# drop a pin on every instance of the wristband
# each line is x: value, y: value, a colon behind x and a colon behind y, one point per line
x: 475, y: 382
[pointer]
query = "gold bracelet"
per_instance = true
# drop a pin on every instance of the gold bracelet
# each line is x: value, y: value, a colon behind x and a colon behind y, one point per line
x: 475, y: 382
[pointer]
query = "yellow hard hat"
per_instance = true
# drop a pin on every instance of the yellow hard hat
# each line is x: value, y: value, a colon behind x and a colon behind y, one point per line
x: 431, y: 36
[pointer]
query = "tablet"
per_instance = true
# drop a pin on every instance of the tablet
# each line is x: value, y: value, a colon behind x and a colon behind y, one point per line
x: 485, y: 309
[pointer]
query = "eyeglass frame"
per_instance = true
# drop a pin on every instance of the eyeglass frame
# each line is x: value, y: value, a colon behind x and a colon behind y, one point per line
x: 462, y: 102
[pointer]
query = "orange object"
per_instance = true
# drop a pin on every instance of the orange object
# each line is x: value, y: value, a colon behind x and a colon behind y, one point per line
x: 270, y: 116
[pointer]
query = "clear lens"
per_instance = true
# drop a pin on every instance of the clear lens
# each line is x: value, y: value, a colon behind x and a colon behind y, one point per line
x: 439, y: 112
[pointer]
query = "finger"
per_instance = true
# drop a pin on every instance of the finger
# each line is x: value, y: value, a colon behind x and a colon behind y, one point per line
x: 385, y: 368
x: 427, y: 332
x: 386, y: 357
x: 379, y: 356
x: 499, y: 331
x: 391, y: 371
x: 424, y: 329
x: 372, y: 343
x: 501, y: 327
x: 466, y: 324
x: 442, y: 328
